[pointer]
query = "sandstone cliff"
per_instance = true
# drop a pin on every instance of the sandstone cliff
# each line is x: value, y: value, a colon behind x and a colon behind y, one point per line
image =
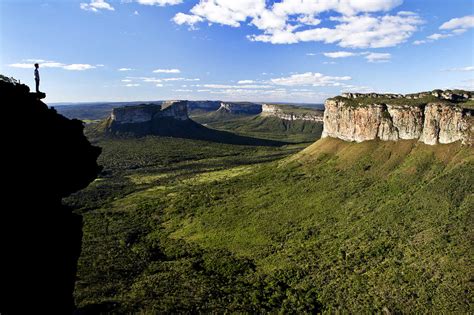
x: 436, y: 117
x: 291, y: 113
x: 147, y: 112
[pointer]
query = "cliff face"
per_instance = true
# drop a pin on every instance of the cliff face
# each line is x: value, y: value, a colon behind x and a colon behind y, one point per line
x: 147, y: 112
x: 46, y: 157
x: 289, y: 114
x: 431, y: 123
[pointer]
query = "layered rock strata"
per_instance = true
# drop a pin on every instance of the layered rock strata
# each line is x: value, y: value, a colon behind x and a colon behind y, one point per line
x: 431, y: 123
x: 279, y: 112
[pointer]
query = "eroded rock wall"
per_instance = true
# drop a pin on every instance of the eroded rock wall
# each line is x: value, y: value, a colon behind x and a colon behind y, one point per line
x: 432, y: 124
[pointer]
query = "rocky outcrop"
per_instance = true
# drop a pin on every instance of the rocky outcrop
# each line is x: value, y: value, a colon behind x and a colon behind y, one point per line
x: 147, y: 112
x: 291, y: 113
x: 46, y: 157
x: 240, y: 108
x: 431, y: 123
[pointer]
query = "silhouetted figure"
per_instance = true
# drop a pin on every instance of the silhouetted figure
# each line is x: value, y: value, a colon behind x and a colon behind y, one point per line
x: 37, y: 77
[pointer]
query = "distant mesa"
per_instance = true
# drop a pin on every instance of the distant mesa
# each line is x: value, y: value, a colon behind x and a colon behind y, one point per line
x: 170, y: 119
x: 240, y: 108
x: 292, y: 113
x: 435, y: 117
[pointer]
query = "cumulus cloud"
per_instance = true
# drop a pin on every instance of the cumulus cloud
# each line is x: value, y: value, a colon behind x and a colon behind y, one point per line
x: 339, y: 54
x: 132, y: 85
x: 53, y: 64
x: 125, y: 69
x: 189, y: 19
x: 310, y: 78
x: 453, y: 27
x: 96, y: 6
x: 166, y: 71
x: 293, y: 21
x: 459, y: 23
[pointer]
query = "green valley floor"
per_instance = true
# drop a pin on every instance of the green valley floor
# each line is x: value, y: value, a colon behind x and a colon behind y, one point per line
x: 176, y: 225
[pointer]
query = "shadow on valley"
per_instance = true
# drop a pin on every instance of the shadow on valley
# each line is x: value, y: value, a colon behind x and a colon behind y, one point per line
x: 170, y: 127
x: 46, y: 157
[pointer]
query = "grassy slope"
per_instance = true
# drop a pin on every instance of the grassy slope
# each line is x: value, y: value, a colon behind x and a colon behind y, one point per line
x: 339, y: 226
x: 265, y: 127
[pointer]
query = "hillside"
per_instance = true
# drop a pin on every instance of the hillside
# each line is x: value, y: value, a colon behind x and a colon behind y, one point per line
x: 369, y: 227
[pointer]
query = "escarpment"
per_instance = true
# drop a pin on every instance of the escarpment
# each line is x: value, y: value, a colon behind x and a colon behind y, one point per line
x: 291, y: 113
x: 432, y: 118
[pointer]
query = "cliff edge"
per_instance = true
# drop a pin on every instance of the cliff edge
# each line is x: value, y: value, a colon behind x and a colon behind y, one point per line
x: 430, y: 117
x: 46, y: 157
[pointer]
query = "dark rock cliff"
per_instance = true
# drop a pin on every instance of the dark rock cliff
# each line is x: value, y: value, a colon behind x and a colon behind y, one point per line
x: 46, y: 157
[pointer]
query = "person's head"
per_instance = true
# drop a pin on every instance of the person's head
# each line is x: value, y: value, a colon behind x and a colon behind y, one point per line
x: 36, y: 65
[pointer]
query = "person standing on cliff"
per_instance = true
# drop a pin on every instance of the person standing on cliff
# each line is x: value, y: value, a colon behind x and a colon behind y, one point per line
x: 37, y: 77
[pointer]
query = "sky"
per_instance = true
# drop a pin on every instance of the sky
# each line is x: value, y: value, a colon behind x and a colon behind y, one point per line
x: 236, y: 50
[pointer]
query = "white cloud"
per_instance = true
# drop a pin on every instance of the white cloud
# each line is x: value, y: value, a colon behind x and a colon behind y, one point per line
x: 453, y: 27
x: 310, y: 78
x: 132, y: 85
x: 339, y: 54
x: 54, y: 64
x: 246, y: 82
x: 189, y: 19
x: 126, y: 80
x: 125, y: 69
x: 136, y: 12
x: 160, y: 3
x: 226, y: 86
x: 281, y: 22
x: 159, y: 85
x: 310, y: 54
x: 437, y: 36
x: 463, y: 69
x: 182, y: 90
x: 459, y: 23
x: 378, y: 57
x: 96, y: 5
x: 166, y: 71
x: 78, y: 67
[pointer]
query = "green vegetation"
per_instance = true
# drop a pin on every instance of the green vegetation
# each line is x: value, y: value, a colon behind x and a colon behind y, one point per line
x: 178, y: 225
x: 295, y: 109
x: 272, y: 128
x: 365, y: 101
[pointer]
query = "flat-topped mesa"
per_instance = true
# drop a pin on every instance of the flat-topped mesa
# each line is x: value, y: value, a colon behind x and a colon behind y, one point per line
x: 240, y: 108
x: 148, y: 112
x: 450, y: 95
x: 430, y: 117
x: 291, y: 113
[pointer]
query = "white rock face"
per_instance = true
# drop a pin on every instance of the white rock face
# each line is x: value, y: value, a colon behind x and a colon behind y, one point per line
x: 432, y: 124
x: 276, y: 111
x: 134, y: 114
x: 444, y: 124
x: 175, y: 109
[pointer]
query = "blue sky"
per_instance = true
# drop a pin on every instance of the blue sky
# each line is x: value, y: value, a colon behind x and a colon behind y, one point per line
x: 255, y: 50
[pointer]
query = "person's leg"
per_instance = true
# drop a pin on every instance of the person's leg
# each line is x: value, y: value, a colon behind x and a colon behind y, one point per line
x: 37, y: 85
